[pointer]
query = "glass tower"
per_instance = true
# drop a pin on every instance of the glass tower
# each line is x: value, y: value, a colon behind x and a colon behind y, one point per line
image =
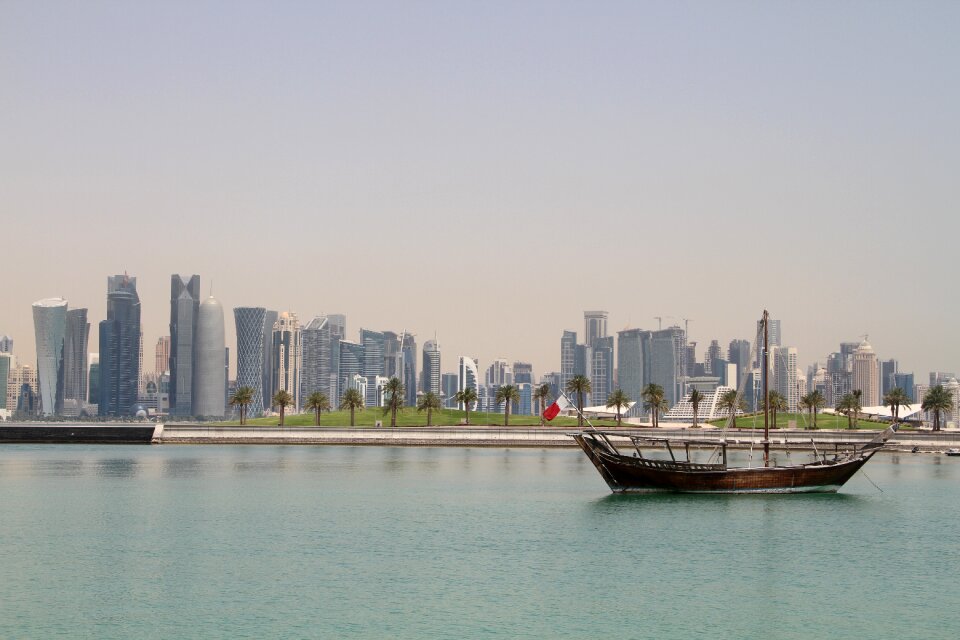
x: 120, y: 348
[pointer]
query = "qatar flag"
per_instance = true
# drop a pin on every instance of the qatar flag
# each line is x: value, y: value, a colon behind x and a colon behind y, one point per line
x: 554, y: 410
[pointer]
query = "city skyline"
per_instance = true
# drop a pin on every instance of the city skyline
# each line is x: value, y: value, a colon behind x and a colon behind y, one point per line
x: 702, y: 161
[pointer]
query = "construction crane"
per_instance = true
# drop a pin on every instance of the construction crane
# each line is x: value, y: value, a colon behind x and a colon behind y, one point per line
x: 659, y: 320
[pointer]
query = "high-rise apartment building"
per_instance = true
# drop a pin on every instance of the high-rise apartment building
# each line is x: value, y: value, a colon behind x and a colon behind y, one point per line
x: 595, y: 326
x: 162, y: 356
x: 184, y: 307
x: 75, y: 348
x: 783, y: 362
x: 50, y: 324
x: 209, y: 376
x: 120, y: 348
x: 866, y: 374
x: 250, y: 350
x: 286, y: 356
x: 431, y: 376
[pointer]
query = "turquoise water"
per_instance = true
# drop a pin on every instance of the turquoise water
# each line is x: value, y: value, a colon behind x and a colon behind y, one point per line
x: 370, y: 542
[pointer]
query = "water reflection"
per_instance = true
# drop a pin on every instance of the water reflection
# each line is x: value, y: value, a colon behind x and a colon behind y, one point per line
x: 116, y: 468
x: 182, y: 467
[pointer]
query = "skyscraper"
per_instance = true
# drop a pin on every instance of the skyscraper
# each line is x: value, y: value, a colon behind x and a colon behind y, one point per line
x: 431, y: 376
x: 905, y: 382
x: 468, y: 377
x: 6, y: 364
x: 595, y: 326
x: 75, y: 346
x: 120, y: 348
x: 93, y: 380
x: 6, y: 344
x: 448, y: 387
x: 184, y: 307
x: 374, y: 362
x: 888, y: 371
x: 774, y: 336
x: 316, y: 360
x: 409, y: 368
x: 601, y: 369
x: 713, y: 353
x: 523, y: 373
x: 568, y: 356
x: 738, y: 353
x: 209, y: 376
x: 784, y: 365
x: 632, y: 347
x: 162, y: 356
x: 286, y: 356
x: 269, y: 319
x: 866, y: 374
x: 665, y: 360
x: 250, y: 321
x: 350, y: 366
x: 50, y: 324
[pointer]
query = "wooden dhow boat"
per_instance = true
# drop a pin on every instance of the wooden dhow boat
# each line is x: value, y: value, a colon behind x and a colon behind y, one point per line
x: 636, y: 473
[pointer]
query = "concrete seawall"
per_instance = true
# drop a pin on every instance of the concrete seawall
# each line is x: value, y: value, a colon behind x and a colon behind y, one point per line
x: 528, y: 437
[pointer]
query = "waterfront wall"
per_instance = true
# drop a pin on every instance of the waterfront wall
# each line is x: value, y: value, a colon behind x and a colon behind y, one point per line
x: 530, y: 437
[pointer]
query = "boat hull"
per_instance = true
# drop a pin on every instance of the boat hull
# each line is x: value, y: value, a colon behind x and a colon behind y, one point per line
x: 79, y: 434
x: 624, y: 474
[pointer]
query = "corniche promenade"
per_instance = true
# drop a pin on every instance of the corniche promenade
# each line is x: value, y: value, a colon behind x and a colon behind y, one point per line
x: 491, y: 436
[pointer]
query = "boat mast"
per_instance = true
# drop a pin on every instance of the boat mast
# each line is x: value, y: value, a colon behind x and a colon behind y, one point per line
x: 766, y: 394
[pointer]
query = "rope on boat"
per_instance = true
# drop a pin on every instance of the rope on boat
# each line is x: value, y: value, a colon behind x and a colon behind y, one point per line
x: 871, y: 481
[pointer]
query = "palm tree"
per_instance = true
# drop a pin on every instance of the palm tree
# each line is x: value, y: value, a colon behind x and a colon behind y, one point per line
x: 695, y: 399
x: 655, y: 401
x: 428, y: 402
x: 243, y: 398
x: 937, y: 399
x: 814, y: 401
x: 541, y: 395
x: 845, y: 406
x: 317, y: 402
x: 351, y: 400
x: 857, y: 406
x: 393, y: 395
x: 579, y: 385
x: 620, y: 400
x: 507, y: 394
x: 895, y: 399
x: 282, y: 399
x: 777, y: 403
x: 731, y: 403
x: 466, y: 397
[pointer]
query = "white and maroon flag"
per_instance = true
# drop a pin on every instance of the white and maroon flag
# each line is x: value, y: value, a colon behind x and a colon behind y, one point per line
x: 554, y: 410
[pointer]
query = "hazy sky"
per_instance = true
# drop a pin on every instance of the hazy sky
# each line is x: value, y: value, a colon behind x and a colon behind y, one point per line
x: 488, y: 170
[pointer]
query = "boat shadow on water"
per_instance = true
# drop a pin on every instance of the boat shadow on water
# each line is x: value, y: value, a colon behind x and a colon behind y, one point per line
x: 615, y: 502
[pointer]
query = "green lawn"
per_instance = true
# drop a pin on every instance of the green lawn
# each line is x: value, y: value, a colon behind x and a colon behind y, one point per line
x: 824, y: 421
x: 409, y: 417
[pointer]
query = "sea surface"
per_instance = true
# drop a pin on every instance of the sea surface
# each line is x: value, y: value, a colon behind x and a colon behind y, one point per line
x: 379, y: 542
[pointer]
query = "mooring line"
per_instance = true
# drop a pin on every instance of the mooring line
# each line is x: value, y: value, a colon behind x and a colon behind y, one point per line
x: 871, y: 481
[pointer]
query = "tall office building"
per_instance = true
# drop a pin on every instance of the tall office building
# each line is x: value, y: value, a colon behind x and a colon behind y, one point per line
x: 568, y: 356
x: 161, y: 354
x: 448, y: 387
x: 6, y: 344
x: 184, y: 307
x: 774, y: 339
x: 866, y: 374
x: 286, y: 356
x: 350, y: 366
x: 888, y: 371
x: 75, y: 348
x: 499, y: 373
x: 738, y: 353
x: 120, y: 348
x: 316, y: 362
x: 430, y: 372
x: 595, y: 326
x: 713, y: 353
x: 665, y: 362
x: 939, y: 377
x: 50, y: 325
x: 632, y: 353
x: 269, y: 320
x: 21, y: 377
x: 250, y: 350
x: 409, y: 369
x: 601, y: 370
x: 905, y: 382
x: 468, y: 377
x: 374, y: 361
x: 93, y: 380
x: 6, y: 365
x: 523, y: 373
x: 209, y: 376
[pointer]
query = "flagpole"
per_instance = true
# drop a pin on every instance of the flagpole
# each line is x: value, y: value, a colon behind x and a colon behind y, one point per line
x: 578, y: 410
